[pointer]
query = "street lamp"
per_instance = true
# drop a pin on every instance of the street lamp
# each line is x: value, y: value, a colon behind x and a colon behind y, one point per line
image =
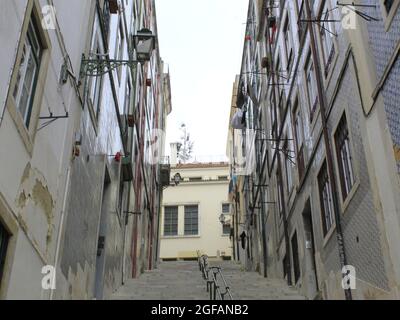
x: 144, y: 41
x: 98, y: 64
x: 177, y: 178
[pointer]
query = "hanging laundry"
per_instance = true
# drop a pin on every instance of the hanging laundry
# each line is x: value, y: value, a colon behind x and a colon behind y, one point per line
x: 238, y: 120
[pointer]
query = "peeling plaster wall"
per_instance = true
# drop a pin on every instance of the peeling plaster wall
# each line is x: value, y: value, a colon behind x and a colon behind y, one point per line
x: 32, y: 182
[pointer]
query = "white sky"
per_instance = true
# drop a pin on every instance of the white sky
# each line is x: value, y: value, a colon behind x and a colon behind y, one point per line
x: 202, y: 42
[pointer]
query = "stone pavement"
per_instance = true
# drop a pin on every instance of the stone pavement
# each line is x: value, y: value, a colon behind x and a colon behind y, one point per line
x: 252, y: 286
x: 182, y: 280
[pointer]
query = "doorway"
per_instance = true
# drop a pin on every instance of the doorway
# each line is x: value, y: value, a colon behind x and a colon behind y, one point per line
x: 101, y: 243
x: 311, y: 269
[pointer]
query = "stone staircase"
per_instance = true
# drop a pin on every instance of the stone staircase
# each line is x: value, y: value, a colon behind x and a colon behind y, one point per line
x: 182, y: 280
x: 252, y: 286
x: 176, y: 280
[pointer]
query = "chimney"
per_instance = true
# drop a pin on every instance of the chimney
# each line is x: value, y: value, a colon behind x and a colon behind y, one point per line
x: 174, y: 153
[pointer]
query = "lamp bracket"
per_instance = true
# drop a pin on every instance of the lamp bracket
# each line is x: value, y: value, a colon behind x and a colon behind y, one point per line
x: 96, y: 67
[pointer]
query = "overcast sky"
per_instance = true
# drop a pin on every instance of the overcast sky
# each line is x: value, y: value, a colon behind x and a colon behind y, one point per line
x: 202, y: 42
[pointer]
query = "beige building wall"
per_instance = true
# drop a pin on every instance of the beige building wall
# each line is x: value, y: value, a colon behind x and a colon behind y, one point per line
x: 209, y: 194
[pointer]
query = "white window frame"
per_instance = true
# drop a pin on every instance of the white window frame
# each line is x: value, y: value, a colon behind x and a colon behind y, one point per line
x: 311, y: 86
x: 95, y: 84
x: 326, y: 202
x: 326, y: 34
x: 28, y: 133
x: 177, y: 221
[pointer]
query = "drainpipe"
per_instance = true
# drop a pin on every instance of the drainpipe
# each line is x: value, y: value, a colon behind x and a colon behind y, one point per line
x: 236, y: 226
x: 262, y: 209
x: 280, y: 179
x: 61, y: 225
x: 329, y: 157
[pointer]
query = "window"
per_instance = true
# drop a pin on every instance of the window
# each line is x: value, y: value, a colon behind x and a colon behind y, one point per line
x: 226, y: 229
x: 325, y: 193
x: 279, y: 80
x: 195, y: 179
x: 288, y: 40
x: 95, y: 84
x: 388, y: 5
x: 295, y: 256
x: 25, y: 86
x: 287, y: 151
x: 343, y: 155
x: 171, y: 221
x: 389, y: 9
x: 106, y: 18
x: 273, y: 118
x: 301, y: 17
x: 327, y: 32
x: 280, y: 198
x: 119, y: 47
x: 4, y: 237
x: 311, y: 84
x: 191, y: 220
x: 226, y: 208
x: 299, y: 137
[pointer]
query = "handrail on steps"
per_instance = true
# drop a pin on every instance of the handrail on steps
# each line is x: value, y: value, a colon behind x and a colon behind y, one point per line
x: 213, y: 285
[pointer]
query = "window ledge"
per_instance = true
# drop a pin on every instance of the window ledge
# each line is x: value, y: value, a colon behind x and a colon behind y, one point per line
x: 350, y: 196
x: 328, y: 236
x: 182, y: 237
x: 19, y: 123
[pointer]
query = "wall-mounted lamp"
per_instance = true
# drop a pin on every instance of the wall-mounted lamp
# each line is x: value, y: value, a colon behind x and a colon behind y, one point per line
x: 177, y: 178
x: 99, y: 64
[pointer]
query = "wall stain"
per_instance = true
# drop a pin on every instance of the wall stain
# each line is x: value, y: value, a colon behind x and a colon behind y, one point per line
x: 34, y: 187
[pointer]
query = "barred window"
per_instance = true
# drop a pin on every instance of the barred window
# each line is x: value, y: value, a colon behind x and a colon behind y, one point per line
x: 343, y: 154
x: 325, y: 193
x: 171, y: 221
x: 191, y: 220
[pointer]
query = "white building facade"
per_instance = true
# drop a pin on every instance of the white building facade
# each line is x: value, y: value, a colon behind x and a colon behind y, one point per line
x: 191, y: 213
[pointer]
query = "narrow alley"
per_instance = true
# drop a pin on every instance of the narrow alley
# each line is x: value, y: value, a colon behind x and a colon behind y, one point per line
x: 150, y: 148
x: 182, y: 280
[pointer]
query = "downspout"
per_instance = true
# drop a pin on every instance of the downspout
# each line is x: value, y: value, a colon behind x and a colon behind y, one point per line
x: 280, y: 183
x: 329, y: 158
x: 236, y: 225
x: 263, y: 231
x: 61, y: 225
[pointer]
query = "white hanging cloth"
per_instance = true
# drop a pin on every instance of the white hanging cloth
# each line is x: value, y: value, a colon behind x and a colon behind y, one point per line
x: 237, y: 120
